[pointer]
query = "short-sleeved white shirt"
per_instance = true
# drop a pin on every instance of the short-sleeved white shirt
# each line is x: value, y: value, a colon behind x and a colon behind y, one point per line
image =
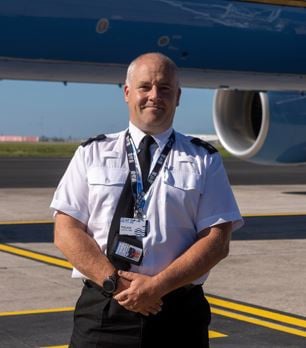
x: 190, y: 193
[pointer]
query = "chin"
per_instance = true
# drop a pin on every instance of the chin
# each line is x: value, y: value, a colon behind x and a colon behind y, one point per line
x: 153, y: 128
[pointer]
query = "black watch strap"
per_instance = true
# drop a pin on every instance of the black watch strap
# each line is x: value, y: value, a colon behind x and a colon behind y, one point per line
x: 109, y: 284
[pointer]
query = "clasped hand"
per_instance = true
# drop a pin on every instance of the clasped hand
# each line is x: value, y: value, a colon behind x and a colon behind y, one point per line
x: 141, y: 295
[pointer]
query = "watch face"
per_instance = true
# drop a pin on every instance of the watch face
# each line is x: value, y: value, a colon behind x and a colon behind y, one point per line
x: 109, y: 285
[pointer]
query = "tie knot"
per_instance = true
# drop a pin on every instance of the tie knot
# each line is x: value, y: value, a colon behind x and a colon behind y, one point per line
x: 146, y: 142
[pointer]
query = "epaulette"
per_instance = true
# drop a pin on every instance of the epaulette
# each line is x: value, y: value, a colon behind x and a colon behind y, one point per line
x: 99, y: 137
x: 197, y: 141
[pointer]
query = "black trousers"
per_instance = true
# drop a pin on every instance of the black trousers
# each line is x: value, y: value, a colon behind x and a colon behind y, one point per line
x: 100, y: 322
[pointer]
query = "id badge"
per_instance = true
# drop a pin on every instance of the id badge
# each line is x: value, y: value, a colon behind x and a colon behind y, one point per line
x: 133, y: 227
x: 128, y: 249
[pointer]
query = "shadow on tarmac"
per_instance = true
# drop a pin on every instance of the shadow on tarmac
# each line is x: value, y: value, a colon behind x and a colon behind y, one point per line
x: 255, y: 228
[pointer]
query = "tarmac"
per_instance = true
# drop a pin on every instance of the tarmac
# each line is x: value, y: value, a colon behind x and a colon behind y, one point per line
x: 264, y: 272
x: 29, y: 204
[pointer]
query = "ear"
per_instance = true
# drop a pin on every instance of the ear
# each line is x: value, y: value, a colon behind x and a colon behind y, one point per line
x: 179, y: 92
x: 126, y: 93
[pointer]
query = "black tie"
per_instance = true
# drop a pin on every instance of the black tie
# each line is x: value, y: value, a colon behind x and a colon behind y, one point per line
x: 144, y: 158
x: 125, y: 206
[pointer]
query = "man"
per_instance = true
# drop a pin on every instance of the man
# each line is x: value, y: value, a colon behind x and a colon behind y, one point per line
x: 143, y: 271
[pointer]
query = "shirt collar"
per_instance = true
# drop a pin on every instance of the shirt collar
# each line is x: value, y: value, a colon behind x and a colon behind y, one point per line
x: 160, y: 139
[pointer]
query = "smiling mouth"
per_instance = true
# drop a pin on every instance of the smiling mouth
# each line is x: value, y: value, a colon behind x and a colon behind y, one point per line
x: 156, y: 107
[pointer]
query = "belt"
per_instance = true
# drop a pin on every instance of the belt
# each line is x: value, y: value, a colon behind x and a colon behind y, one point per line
x: 91, y: 284
x: 180, y: 292
x: 177, y: 292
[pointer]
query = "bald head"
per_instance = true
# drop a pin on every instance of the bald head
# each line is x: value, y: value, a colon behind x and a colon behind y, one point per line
x: 152, y: 92
x: 154, y: 57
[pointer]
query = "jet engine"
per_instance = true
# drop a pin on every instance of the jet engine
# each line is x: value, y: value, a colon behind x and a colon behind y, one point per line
x: 262, y: 127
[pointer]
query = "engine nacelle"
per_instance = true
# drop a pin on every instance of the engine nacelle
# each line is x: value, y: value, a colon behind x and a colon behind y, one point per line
x: 262, y: 127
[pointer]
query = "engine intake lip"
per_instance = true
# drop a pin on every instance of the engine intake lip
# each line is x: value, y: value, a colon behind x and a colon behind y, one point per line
x: 241, y: 120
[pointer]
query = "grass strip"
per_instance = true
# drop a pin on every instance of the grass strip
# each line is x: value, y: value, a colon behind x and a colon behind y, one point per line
x: 50, y: 149
x: 40, y: 149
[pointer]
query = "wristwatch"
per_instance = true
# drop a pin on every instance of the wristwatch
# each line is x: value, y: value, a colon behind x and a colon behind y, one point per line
x: 109, y: 285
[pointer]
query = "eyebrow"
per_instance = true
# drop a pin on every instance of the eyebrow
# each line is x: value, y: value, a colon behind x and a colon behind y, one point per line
x: 160, y: 83
x: 143, y: 83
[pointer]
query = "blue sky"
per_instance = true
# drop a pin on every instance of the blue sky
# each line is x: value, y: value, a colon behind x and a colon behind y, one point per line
x: 83, y: 110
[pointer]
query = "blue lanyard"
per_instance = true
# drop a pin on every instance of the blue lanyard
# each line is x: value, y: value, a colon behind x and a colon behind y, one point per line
x: 136, y: 182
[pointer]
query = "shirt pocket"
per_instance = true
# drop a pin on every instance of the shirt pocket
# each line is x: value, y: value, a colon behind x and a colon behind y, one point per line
x: 107, y: 176
x: 186, y: 181
x: 182, y: 192
x: 184, y: 174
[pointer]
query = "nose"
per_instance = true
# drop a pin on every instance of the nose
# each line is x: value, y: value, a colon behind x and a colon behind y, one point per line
x: 154, y: 93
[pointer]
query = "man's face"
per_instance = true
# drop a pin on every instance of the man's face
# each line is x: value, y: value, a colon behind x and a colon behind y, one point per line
x: 152, y: 95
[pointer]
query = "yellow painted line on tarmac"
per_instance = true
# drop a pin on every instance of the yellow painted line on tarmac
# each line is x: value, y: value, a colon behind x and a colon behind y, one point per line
x: 259, y: 322
x: 230, y: 305
x: 50, y: 260
x: 216, y: 334
x: 36, y: 311
x: 263, y: 313
x: 274, y: 214
x: 212, y: 333
x: 26, y: 222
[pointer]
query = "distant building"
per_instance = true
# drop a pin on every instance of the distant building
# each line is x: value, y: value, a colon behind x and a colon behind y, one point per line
x: 18, y: 139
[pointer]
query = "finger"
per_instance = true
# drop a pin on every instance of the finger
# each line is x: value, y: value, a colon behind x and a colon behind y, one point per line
x: 130, y: 307
x: 148, y: 311
x: 134, y: 309
x: 155, y: 310
x: 126, y: 275
x: 125, y: 303
x: 122, y: 296
x: 156, y: 307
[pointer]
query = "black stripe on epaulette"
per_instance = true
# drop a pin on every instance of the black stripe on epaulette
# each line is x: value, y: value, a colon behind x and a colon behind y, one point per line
x: 197, y: 141
x: 99, y: 137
